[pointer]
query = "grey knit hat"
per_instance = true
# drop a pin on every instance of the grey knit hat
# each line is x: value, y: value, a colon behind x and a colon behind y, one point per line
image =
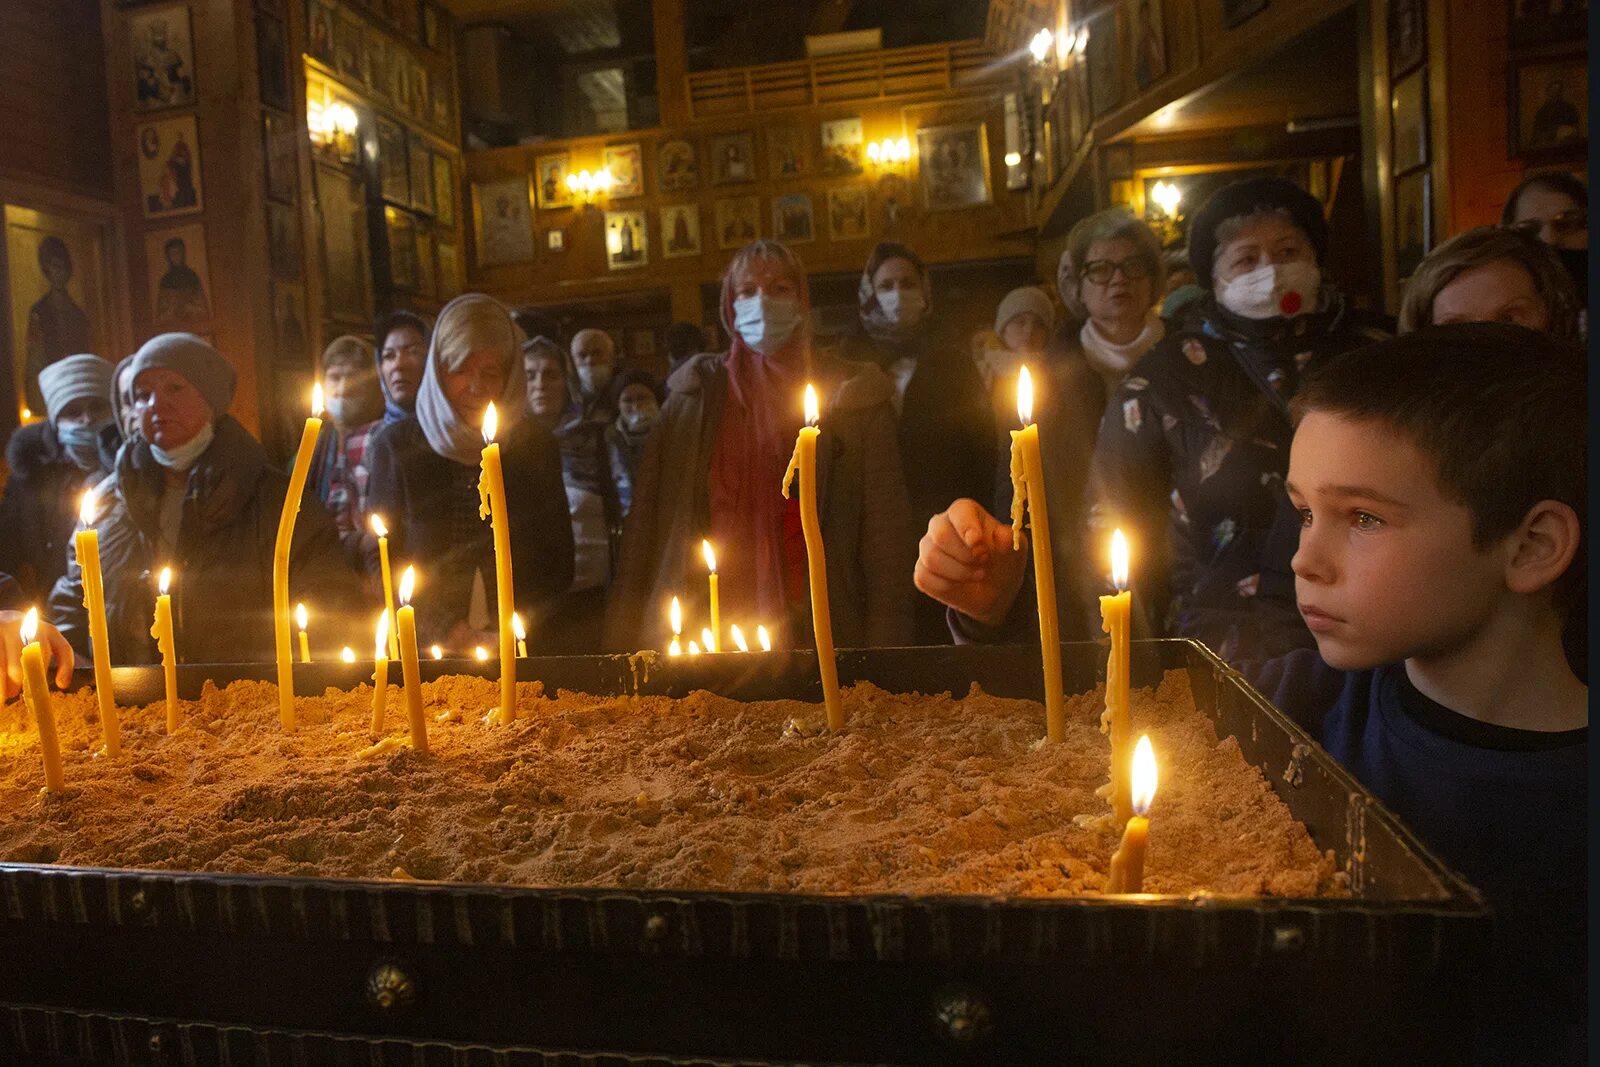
x: 188, y: 355
x: 74, y: 378
x: 1028, y: 298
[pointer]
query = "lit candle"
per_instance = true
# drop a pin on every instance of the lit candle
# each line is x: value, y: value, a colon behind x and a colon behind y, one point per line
x: 715, y: 643
x: 676, y: 615
x: 280, y: 558
x: 480, y: 654
x: 1115, y: 613
x: 707, y: 639
x: 764, y: 639
x: 521, y: 633
x: 1027, y: 490
x: 804, y: 463
x: 380, y: 671
x: 410, y: 671
x: 381, y: 531
x: 36, y: 690
x: 492, y: 506
x: 300, y: 623
x: 436, y: 651
x: 347, y: 654
x: 1127, y: 865
x: 167, y: 645
x: 87, y: 542
x: 738, y: 638
x: 694, y: 649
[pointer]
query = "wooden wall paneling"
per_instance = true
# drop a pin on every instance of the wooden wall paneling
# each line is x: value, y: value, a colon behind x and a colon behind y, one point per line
x: 53, y: 103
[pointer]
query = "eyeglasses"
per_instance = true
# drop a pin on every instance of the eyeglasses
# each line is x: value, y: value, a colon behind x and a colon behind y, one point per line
x: 1574, y: 220
x: 1100, y: 271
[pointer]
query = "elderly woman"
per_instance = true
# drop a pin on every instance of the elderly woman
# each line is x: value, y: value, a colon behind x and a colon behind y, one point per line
x: 1492, y: 274
x: 424, y: 482
x: 195, y: 491
x: 715, y: 463
x: 52, y: 462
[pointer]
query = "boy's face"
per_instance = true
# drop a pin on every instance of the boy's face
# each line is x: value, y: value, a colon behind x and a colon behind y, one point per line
x: 1386, y: 569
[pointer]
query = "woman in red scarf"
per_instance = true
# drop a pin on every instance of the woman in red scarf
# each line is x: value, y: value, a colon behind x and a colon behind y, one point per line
x: 714, y: 468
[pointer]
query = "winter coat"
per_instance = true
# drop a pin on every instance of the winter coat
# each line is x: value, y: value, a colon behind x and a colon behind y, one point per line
x: 39, y: 508
x: 431, y: 506
x: 862, y: 507
x: 222, y: 591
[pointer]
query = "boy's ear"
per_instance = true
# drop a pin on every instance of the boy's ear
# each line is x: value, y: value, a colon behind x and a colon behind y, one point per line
x: 1542, y: 547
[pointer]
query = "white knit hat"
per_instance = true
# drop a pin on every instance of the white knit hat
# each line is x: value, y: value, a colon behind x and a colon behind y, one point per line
x: 1028, y: 298
x: 74, y: 378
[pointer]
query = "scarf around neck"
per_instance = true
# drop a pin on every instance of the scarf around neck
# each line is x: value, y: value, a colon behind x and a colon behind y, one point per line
x: 1113, y: 361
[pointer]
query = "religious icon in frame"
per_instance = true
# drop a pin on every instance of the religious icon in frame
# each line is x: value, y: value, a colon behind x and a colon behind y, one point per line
x: 169, y: 167
x: 320, y: 32
x: 786, y: 152
x: 843, y: 146
x: 421, y: 164
x: 163, y: 58
x: 680, y: 231
x: 444, y: 189
x: 283, y: 241
x: 733, y: 158
x: 738, y: 221
x: 627, y: 242
x: 793, y: 221
x: 504, y: 228
x: 550, y: 174
x: 278, y: 151
x: 55, y: 268
x: 848, y: 213
x: 394, y: 167
x: 627, y: 170
x: 954, y: 163
x: 677, y: 168
x: 272, y: 61
x: 175, y: 264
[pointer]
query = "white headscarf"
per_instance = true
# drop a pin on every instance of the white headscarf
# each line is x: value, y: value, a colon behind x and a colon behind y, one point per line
x: 469, y: 323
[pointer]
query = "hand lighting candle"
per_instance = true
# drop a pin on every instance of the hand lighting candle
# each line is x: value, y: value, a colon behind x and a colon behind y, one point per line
x: 300, y: 623
x: 1115, y: 614
x: 380, y: 672
x: 36, y: 690
x: 167, y: 646
x: 381, y: 532
x: 1027, y: 491
x: 87, y: 542
x: 804, y: 464
x: 715, y: 644
x: 1127, y: 865
x: 492, y: 506
x: 410, y: 671
x: 521, y: 633
x: 280, y: 558
x: 676, y: 615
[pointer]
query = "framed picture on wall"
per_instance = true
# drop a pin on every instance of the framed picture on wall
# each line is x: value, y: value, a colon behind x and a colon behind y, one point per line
x: 283, y: 241
x: 627, y: 170
x: 394, y: 168
x: 1408, y: 109
x: 421, y: 165
x: 169, y: 167
x: 163, y: 57
x: 627, y: 243
x: 786, y: 152
x: 848, y: 213
x: 449, y: 268
x: 320, y: 32
x: 677, y: 168
x: 401, y: 229
x: 1147, y: 40
x: 792, y: 219
x: 427, y: 275
x: 289, y: 336
x: 504, y: 226
x: 550, y: 173
x: 180, y: 286
x: 348, y: 47
x: 444, y: 189
x: 1539, y: 22
x: 278, y: 151
x: 380, y: 78
x: 843, y: 147
x: 1105, y: 84
x: 738, y: 221
x: 439, y: 107
x: 1413, y: 220
x: 954, y: 161
x: 272, y: 62
x: 733, y: 158
x: 680, y: 231
x: 1549, y: 107
x: 1408, y: 36
x: 342, y: 204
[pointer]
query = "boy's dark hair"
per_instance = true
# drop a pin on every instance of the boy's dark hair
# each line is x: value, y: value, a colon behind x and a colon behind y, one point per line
x: 398, y: 320
x: 1502, y: 412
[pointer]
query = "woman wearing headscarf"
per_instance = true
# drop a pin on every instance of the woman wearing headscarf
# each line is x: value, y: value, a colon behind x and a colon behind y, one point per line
x: 939, y: 398
x: 51, y: 463
x: 714, y: 468
x: 197, y: 493
x: 424, y: 482
x: 402, y: 352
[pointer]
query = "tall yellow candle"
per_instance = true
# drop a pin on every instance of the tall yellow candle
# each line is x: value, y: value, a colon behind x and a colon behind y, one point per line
x: 1127, y: 864
x: 381, y: 532
x: 1027, y: 491
x: 716, y: 605
x: 410, y: 671
x: 804, y: 464
x: 87, y: 542
x: 167, y: 645
x: 521, y: 633
x: 36, y: 690
x: 1115, y: 615
x: 300, y: 623
x: 380, y: 671
x: 492, y: 506
x: 280, y: 558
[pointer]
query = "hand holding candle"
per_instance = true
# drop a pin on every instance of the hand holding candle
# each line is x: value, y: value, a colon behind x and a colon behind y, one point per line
x: 1116, y: 613
x: 715, y: 629
x: 167, y: 646
x: 804, y: 464
x: 380, y: 671
x: 1127, y: 865
x: 36, y: 690
x: 492, y: 506
x: 1027, y: 490
x: 381, y: 532
x: 280, y: 558
x: 87, y: 543
x: 410, y: 670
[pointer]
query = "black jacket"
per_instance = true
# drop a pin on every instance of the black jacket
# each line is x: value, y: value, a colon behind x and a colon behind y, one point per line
x: 222, y: 573
x: 431, y: 506
x: 39, y: 508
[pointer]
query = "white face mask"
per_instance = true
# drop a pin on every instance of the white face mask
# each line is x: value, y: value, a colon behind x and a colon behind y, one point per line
x: 904, y: 307
x: 1273, y: 291
x: 641, y: 419
x: 591, y: 380
x: 184, y: 456
x: 766, y: 322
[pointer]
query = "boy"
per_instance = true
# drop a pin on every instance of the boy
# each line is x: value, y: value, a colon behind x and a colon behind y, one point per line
x: 1441, y: 479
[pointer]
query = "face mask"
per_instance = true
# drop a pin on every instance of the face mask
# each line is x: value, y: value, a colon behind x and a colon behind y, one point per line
x: 641, y: 420
x: 183, y: 457
x: 82, y: 443
x: 337, y: 408
x: 904, y: 307
x: 592, y: 380
x: 1273, y: 291
x: 1576, y: 260
x: 766, y: 322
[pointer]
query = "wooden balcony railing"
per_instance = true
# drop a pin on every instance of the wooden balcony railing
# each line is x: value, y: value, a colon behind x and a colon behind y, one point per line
x: 957, y: 66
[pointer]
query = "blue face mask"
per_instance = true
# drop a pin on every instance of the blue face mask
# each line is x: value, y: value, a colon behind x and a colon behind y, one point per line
x: 766, y: 322
x: 81, y: 442
x: 184, y: 456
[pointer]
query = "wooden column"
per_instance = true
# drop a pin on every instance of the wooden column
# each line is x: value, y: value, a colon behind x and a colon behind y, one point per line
x: 672, y: 63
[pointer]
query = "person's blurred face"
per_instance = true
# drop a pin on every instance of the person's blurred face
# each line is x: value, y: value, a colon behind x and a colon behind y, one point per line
x: 1024, y: 333
x: 636, y: 399
x: 896, y: 273
x: 592, y: 348
x: 57, y: 271
x: 547, y: 385
x: 1552, y: 216
x: 1262, y: 240
x: 1119, y: 297
x: 480, y: 379
x: 1502, y: 291
x: 344, y: 381
x: 768, y: 276
x: 85, y: 411
x: 171, y: 411
x: 401, y: 361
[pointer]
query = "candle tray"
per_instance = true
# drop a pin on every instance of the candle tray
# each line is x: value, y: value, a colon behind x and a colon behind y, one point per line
x: 130, y: 966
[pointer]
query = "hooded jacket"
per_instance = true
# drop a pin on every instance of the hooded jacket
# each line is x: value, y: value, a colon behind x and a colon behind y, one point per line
x: 39, y: 509
x: 222, y: 595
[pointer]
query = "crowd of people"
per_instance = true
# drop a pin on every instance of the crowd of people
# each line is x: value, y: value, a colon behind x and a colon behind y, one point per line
x: 1316, y: 498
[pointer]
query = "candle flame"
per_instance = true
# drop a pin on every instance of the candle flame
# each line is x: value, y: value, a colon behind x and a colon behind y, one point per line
x: 165, y: 581
x: 676, y: 648
x: 518, y: 631
x: 676, y: 614
x: 30, y: 626
x: 1144, y: 776
x: 694, y: 649
x: 382, y: 643
x: 86, y: 507
x: 764, y: 639
x: 491, y: 423
x: 316, y: 400
x: 738, y: 638
x: 706, y: 640
x: 813, y: 413
x: 436, y: 652
x: 710, y: 554
x: 480, y: 654
x: 300, y: 616
x: 347, y: 654
x: 1119, y: 560
x: 1025, y: 396
x: 408, y: 582
x: 379, y: 529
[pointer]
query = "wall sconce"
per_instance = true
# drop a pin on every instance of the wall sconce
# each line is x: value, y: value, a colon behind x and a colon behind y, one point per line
x: 1162, y: 211
x: 587, y: 186
x: 889, y: 154
x: 1041, y: 44
x: 332, y: 126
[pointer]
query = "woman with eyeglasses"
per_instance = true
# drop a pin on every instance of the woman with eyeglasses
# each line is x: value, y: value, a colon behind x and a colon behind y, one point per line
x: 1554, y: 207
